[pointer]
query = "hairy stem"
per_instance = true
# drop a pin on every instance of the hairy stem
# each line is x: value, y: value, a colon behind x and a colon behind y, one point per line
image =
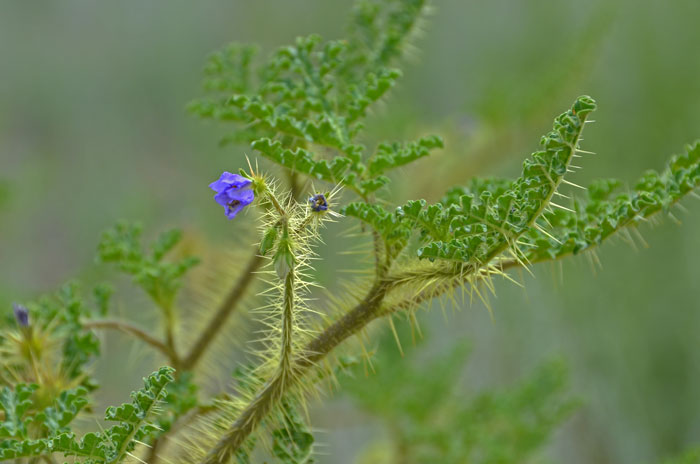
x: 367, y: 310
x: 137, y: 332
x: 226, y: 308
x: 279, y: 385
x: 380, y: 265
x: 272, y: 391
x: 287, y: 323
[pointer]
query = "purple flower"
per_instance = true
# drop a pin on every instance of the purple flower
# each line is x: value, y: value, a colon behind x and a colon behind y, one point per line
x: 318, y: 203
x: 21, y: 314
x: 233, y: 193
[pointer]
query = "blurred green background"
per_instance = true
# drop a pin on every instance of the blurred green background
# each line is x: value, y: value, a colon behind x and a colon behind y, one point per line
x: 93, y: 129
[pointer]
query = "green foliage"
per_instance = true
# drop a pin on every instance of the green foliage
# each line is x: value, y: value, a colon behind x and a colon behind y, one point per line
x: 316, y: 95
x: 14, y: 404
x: 159, y: 278
x: 292, y: 440
x: 430, y: 419
x: 602, y: 213
x: 476, y: 225
x: 478, y: 228
x: 303, y: 109
x: 23, y: 423
x: 56, y: 344
x: 181, y: 397
x: 55, y: 419
x: 109, y: 446
x: 691, y: 456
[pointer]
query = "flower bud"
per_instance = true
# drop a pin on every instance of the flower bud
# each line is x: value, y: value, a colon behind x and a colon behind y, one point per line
x: 268, y: 240
x: 284, y: 258
x: 21, y: 314
x: 318, y: 203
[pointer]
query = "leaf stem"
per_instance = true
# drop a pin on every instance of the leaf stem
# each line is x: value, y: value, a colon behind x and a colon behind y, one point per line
x: 137, y: 332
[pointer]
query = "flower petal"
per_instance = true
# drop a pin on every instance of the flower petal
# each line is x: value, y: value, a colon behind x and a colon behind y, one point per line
x: 232, y: 211
x: 229, y: 180
x: 244, y: 196
x: 222, y: 198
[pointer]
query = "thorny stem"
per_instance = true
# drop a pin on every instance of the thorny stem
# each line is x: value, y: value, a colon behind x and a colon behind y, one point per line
x: 272, y: 391
x: 276, y: 204
x: 226, y: 308
x: 215, y: 325
x: 287, y: 321
x: 367, y: 310
x: 380, y: 266
x: 275, y: 388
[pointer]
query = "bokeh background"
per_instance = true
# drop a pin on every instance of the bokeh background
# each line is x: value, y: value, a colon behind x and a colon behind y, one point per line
x: 93, y: 129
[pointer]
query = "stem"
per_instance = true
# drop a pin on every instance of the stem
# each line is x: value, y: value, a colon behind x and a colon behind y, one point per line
x: 222, y: 314
x: 272, y: 392
x: 137, y: 332
x: 294, y: 186
x: 276, y: 204
x: 353, y: 321
x: 159, y: 442
x: 287, y: 323
x: 170, y: 334
x: 380, y: 266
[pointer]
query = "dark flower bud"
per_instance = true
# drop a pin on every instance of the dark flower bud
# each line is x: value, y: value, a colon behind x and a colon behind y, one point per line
x: 318, y: 203
x: 21, y: 314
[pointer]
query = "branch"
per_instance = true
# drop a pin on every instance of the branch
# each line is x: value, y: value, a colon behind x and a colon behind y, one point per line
x: 137, y: 332
x: 225, y: 310
x: 275, y: 389
x: 436, y: 280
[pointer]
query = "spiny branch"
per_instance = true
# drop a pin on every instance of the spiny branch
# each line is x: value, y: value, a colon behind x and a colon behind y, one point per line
x: 276, y: 387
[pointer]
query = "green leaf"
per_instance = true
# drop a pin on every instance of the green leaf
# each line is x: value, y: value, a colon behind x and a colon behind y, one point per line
x: 13, y: 449
x: 292, y: 441
x: 109, y: 446
x: 308, y: 104
x: 14, y: 404
x: 477, y: 228
x: 302, y: 161
x: 392, y: 227
x: 394, y: 155
x: 602, y: 214
x: 159, y: 278
x: 68, y: 404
